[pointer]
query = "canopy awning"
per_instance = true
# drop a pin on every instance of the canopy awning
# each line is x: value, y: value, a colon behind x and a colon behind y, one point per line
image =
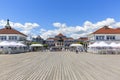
x: 11, y: 44
x: 75, y: 45
x: 96, y: 44
x: 36, y: 45
x: 100, y: 44
x: 103, y: 44
x: 113, y: 44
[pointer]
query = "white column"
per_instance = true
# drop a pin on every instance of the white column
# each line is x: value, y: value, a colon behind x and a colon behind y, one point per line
x: 18, y: 37
x: 7, y: 38
x: 105, y: 37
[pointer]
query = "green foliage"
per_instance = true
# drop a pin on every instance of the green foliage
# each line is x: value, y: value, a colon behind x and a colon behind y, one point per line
x: 45, y: 45
x: 80, y: 43
x: 35, y: 43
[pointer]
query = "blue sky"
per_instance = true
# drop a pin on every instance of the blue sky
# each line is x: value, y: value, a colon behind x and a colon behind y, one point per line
x: 71, y: 13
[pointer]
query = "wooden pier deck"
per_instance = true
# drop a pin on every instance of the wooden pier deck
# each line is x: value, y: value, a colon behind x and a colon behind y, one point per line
x: 59, y: 66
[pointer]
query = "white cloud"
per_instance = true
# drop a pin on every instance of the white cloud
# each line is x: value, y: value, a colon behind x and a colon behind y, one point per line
x: 59, y: 25
x: 2, y: 23
x: 108, y: 22
x: 26, y: 28
x: 78, y: 31
x: 116, y: 24
x: 42, y: 30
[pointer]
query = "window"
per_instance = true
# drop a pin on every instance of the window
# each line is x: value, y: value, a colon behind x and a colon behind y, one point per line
x: 99, y: 37
x: 110, y: 37
x: 2, y: 37
x: 113, y: 37
x: 22, y: 39
x: 12, y: 37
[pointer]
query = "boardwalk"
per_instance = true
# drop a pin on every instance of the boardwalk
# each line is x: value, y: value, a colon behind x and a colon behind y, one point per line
x: 59, y: 66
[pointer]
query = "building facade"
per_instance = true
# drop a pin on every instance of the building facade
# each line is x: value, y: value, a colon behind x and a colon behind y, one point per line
x: 38, y: 39
x: 105, y: 34
x: 59, y: 41
x: 12, y: 41
x: 10, y: 34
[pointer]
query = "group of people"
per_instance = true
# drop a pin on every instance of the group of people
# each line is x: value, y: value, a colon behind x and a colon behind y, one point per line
x: 79, y: 50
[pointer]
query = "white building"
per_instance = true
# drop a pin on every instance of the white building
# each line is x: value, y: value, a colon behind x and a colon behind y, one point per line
x: 105, y: 34
x: 10, y: 34
x: 11, y: 40
x: 59, y: 41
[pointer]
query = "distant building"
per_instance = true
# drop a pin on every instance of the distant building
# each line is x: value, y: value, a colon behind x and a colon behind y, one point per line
x: 59, y: 41
x: 10, y: 34
x: 105, y: 34
x: 38, y: 39
x: 83, y: 39
x: 50, y: 42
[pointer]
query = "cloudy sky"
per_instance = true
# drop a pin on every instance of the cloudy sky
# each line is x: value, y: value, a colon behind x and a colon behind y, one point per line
x: 47, y: 18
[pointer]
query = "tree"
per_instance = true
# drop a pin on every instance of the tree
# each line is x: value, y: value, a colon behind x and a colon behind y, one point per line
x: 45, y: 45
x: 34, y: 43
x: 80, y: 42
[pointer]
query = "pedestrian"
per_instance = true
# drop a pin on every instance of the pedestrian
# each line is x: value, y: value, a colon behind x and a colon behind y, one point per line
x: 76, y: 51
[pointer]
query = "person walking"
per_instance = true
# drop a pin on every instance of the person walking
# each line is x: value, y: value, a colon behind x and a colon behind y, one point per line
x: 76, y: 51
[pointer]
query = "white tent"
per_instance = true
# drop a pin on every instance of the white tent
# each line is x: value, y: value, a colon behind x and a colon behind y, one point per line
x: 75, y: 45
x: 12, y: 47
x: 11, y: 44
x: 103, y: 44
x: 4, y: 43
x: 20, y: 44
x: 96, y: 44
x: 78, y: 46
x: 113, y: 44
x: 36, y: 45
x: 118, y: 45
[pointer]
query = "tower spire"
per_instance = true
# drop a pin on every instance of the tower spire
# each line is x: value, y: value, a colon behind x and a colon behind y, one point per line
x: 7, y: 26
